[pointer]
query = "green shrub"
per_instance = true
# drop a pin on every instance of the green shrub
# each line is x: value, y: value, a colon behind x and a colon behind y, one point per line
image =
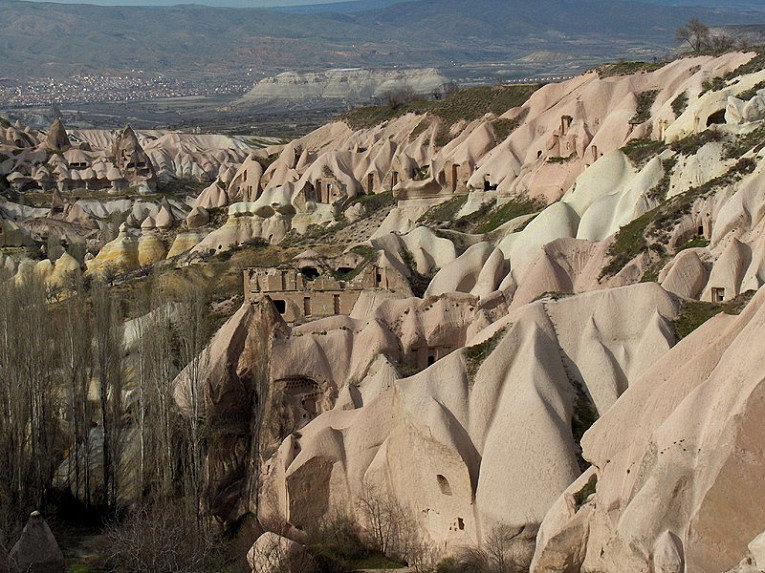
x: 680, y: 104
x: 640, y: 151
x: 627, y: 68
x: 507, y: 212
x: 750, y: 93
x: 475, y: 355
x: 645, y: 101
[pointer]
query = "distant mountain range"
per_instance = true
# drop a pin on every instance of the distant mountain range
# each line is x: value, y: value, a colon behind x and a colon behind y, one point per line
x: 47, y: 39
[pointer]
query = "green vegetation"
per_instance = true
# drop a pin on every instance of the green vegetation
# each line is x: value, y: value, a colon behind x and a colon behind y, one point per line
x: 651, y: 274
x: 680, y: 104
x: 640, y: 151
x: 507, y: 212
x: 630, y: 241
x: 180, y: 187
x: 376, y: 201
x: 750, y: 93
x: 660, y: 190
x: 627, y: 68
x: 743, y: 143
x: 418, y: 281
x: 691, y: 144
x: 693, y: 243
x: 504, y: 127
x: 484, y: 220
x: 589, y: 488
x: 715, y: 84
x: 475, y: 355
x: 445, y: 212
x: 695, y: 313
x: 559, y: 159
x: 644, y: 103
x: 467, y: 104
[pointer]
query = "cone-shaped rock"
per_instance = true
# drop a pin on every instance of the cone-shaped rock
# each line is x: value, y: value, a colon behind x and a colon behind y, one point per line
x: 131, y: 159
x: 37, y: 551
x: 57, y: 139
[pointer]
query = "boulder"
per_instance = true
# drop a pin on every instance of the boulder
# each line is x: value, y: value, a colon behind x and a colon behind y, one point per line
x: 272, y: 553
x: 37, y: 550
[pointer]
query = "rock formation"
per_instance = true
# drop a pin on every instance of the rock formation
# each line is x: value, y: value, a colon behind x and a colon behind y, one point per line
x: 131, y: 159
x: 37, y: 550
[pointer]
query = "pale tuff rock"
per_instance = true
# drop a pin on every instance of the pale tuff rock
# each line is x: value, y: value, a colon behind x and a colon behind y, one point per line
x: 131, y: 159
x: 450, y: 416
x: 57, y: 139
x: 197, y: 217
x: 272, y: 553
x: 690, y: 426
x: 343, y: 85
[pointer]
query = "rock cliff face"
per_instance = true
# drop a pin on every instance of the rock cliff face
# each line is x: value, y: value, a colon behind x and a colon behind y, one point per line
x: 676, y: 461
x: 472, y: 409
x: 562, y: 250
x: 343, y: 86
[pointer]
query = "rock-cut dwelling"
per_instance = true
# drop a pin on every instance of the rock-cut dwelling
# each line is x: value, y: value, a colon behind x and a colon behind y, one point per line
x: 312, y: 287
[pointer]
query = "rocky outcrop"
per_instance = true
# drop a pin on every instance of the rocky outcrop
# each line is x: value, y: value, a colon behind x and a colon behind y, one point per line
x: 132, y: 160
x: 228, y: 385
x: 37, y: 551
x: 348, y: 86
x: 57, y: 139
x: 272, y: 553
x: 677, y: 460
x: 340, y: 421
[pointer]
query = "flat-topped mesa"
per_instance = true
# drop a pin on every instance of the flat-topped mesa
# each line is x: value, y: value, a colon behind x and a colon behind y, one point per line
x: 132, y: 160
x: 311, y: 286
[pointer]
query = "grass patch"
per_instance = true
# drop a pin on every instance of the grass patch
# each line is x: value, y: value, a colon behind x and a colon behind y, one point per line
x: 640, y: 151
x: 475, y: 355
x: 180, y: 187
x: 630, y: 241
x: 468, y: 104
x: 420, y: 129
x: 651, y: 274
x: 659, y: 191
x: 559, y: 159
x: 645, y: 101
x: 504, y: 127
x: 715, y: 84
x: 627, y: 68
x: 507, y: 212
x: 751, y: 92
x: 691, y: 144
x: 633, y: 238
x: 444, y: 212
x: 589, y: 488
x: 680, y: 104
x: 418, y: 282
x: 375, y: 202
x: 743, y: 143
x: 693, y: 243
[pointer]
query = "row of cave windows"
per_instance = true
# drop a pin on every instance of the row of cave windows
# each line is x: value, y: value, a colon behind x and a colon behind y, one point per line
x: 281, y: 305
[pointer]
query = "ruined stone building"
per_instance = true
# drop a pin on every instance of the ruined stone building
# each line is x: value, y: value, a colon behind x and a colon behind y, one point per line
x: 311, y: 287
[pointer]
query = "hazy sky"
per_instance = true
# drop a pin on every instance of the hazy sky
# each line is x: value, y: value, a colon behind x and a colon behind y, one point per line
x: 237, y: 3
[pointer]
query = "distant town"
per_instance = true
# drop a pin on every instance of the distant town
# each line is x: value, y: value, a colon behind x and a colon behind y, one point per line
x: 116, y: 88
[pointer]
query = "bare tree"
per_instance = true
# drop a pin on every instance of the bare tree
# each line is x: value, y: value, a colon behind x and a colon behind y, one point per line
x: 107, y: 344
x: 192, y: 334
x: 695, y: 33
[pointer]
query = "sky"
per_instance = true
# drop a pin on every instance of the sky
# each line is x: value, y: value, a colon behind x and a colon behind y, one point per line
x: 217, y: 3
